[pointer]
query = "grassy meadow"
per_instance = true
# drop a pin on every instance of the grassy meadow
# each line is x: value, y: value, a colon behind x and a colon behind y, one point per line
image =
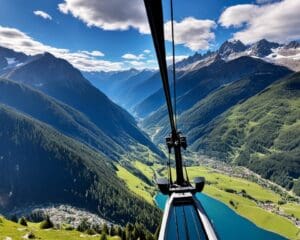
x: 14, y: 231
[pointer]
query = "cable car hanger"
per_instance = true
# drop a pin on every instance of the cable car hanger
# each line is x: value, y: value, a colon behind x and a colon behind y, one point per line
x: 175, y: 141
x: 184, y: 217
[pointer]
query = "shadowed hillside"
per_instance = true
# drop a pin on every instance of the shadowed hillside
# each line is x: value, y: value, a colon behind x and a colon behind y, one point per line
x: 36, y: 159
x: 59, y: 79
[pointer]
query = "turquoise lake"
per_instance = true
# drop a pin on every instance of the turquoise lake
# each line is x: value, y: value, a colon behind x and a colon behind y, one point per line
x: 228, y: 224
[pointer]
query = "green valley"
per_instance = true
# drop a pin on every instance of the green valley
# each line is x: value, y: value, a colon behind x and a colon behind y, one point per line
x: 246, y: 197
x: 81, y: 149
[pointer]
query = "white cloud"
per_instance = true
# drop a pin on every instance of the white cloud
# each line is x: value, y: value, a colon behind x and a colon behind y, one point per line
x: 277, y: 21
x: 94, y: 53
x: 17, y: 40
x: 193, y: 33
x: 147, y: 51
x: 177, y: 58
x: 136, y: 63
x: 131, y: 56
x: 42, y: 14
x: 108, y: 15
x: 140, y: 62
x: 238, y: 15
x: 148, y: 64
x: 119, y: 15
x: 151, y: 63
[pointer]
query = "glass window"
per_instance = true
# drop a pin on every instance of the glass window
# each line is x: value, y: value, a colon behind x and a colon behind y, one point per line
x: 184, y: 222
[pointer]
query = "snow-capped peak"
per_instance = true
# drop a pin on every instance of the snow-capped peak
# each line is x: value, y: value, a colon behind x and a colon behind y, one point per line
x: 282, y: 54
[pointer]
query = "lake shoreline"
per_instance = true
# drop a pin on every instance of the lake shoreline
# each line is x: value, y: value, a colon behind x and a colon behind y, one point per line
x: 216, y: 221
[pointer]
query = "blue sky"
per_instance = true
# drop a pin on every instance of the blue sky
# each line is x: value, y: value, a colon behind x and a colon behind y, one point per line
x: 106, y: 35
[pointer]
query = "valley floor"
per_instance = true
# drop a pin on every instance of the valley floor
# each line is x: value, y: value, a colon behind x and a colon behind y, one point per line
x: 260, y: 201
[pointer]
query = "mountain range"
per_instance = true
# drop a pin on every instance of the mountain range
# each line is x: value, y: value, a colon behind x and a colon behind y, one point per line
x: 60, y: 80
x: 126, y: 88
x: 60, y: 141
x: 131, y: 88
x: 65, y: 131
x: 195, y: 85
x: 261, y: 136
x: 287, y: 55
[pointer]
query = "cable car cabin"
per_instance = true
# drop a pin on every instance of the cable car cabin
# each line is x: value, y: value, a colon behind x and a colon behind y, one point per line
x: 185, y: 219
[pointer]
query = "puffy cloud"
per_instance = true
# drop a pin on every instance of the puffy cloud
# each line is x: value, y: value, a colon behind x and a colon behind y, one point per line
x: 86, y: 61
x: 119, y: 15
x: 193, y: 33
x: 131, y: 56
x: 108, y: 15
x: 237, y: 15
x: 147, y: 51
x: 277, y: 21
x: 42, y: 14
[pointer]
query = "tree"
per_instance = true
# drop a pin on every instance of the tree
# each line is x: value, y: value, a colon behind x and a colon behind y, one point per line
x: 232, y: 203
x: 36, y: 216
x: 139, y: 231
x: 104, y: 229
x: 83, y: 225
x: 29, y: 235
x: 90, y: 231
x: 156, y: 234
x: 46, y: 224
x: 119, y: 231
x: 97, y: 228
x: 135, y: 233
x: 23, y: 221
x: 124, y: 235
x: 149, y: 236
x: 296, y: 187
x: 128, y: 231
x: 103, y: 236
x: 112, y: 231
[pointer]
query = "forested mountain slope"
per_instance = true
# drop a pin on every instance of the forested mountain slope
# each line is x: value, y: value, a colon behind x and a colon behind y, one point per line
x: 206, y: 93
x: 59, y: 79
x: 262, y: 133
x: 57, y: 114
x: 193, y: 121
x: 35, y: 159
x: 196, y: 85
